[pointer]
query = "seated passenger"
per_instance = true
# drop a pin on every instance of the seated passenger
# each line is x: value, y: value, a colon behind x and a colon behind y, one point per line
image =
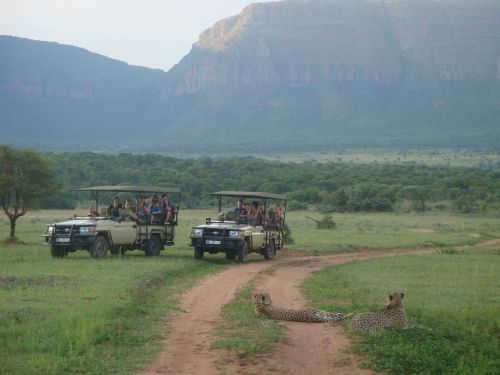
x: 240, y: 211
x: 172, y: 218
x: 114, y: 209
x: 156, y: 210
x: 253, y: 213
x: 166, y: 209
x: 244, y: 213
x: 141, y: 212
x: 126, y: 212
x: 263, y: 216
x: 240, y: 206
x: 278, y: 215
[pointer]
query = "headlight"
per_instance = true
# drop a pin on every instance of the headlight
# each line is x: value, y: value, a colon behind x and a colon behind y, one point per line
x: 50, y: 230
x: 87, y: 229
x: 234, y: 233
x: 197, y: 232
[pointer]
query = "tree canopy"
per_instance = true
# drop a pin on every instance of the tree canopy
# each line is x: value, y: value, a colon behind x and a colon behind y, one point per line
x: 26, y: 177
x: 330, y: 186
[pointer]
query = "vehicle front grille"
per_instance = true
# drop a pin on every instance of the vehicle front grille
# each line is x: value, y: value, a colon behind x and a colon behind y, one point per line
x: 213, y: 232
x: 66, y: 230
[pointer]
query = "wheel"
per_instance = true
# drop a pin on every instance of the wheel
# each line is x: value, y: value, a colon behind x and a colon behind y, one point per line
x: 230, y: 256
x: 153, y: 246
x: 101, y: 247
x: 58, y: 251
x: 198, y: 253
x: 243, y: 252
x: 270, y: 250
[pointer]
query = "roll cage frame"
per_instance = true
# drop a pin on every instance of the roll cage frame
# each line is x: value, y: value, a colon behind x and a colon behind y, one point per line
x: 265, y: 197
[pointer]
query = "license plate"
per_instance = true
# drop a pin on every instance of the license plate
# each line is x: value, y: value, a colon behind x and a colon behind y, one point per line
x: 212, y: 242
x: 62, y: 239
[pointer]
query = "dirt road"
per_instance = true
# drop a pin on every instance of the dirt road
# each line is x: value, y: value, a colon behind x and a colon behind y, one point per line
x: 310, y: 348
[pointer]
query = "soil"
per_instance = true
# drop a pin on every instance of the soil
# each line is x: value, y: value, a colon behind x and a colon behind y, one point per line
x: 309, y: 349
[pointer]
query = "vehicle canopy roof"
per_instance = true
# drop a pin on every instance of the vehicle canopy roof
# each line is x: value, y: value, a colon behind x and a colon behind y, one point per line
x: 250, y: 194
x: 132, y: 189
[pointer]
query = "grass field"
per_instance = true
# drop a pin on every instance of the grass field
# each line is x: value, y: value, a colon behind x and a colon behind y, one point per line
x: 389, y: 231
x: 82, y: 315
x: 461, y: 158
x: 451, y: 298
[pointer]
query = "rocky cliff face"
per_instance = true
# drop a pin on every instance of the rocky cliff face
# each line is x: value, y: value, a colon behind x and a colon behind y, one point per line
x: 283, y: 76
x: 386, y: 42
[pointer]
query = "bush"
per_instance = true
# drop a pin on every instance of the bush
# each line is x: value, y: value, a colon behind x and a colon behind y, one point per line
x: 294, y: 205
x: 327, y: 223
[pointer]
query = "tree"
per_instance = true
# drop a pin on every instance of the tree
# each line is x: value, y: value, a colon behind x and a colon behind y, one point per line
x: 466, y: 199
x: 26, y: 177
x: 418, y: 195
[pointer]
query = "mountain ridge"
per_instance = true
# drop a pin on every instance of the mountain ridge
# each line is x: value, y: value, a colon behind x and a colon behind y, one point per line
x: 281, y: 76
x: 365, y: 40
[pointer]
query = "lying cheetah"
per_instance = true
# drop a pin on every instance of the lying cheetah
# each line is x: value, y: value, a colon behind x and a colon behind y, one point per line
x: 264, y: 306
x: 392, y: 316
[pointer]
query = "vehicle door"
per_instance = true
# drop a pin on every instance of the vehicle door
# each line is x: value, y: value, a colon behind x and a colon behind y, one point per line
x: 123, y: 233
x: 258, y: 237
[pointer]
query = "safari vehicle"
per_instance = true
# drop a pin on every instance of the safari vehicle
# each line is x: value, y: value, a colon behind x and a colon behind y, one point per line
x: 237, y: 235
x: 100, y: 233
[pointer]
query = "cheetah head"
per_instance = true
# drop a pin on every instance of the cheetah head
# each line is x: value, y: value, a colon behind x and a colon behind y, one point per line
x: 394, y: 299
x: 262, y: 298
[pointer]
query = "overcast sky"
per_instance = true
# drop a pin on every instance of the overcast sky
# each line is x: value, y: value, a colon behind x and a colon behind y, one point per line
x: 152, y: 33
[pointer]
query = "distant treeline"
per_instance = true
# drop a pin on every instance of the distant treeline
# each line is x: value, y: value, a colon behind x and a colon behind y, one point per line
x: 330, y: 186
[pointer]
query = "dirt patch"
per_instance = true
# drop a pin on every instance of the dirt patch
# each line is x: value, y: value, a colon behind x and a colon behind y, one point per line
x: 310, y: 348
x: 487, y: 243
x: 422, y: 230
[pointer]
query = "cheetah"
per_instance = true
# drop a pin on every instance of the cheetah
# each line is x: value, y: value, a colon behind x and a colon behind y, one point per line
x: 264, y: 306
x: 392, y: 316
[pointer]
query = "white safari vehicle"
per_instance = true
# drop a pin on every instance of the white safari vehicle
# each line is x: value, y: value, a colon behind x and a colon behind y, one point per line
x: 254, y: 223
x: 100, y: 233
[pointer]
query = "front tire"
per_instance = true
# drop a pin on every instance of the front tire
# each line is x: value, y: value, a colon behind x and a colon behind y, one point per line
x: 58, y: 251
x: 153, y: 247
x: 101, y: 247
x: 198, y: 253
x: 243, y: 252
x: 230, y: 256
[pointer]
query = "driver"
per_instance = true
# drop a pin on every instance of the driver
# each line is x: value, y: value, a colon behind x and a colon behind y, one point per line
x: 114, y: 209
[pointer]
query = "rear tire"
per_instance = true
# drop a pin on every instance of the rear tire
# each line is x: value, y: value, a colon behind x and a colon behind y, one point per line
x: 243, y: 252
x: 270, y: 250
x: 101, y: 247
x: 198, y: 253
x: 153, y: 246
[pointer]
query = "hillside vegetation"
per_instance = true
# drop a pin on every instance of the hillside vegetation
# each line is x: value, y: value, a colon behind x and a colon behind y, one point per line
x: 281, y: 76
x: 329, y: 186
